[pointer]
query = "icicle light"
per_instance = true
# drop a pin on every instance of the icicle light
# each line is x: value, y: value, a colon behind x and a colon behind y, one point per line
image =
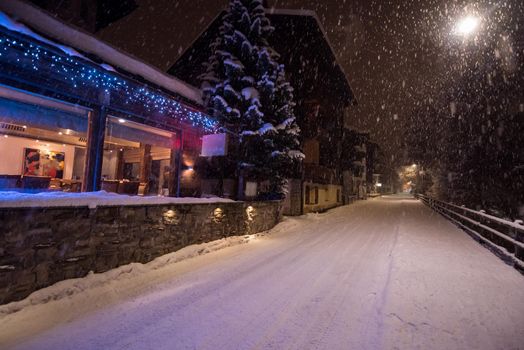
x: 79, y: 75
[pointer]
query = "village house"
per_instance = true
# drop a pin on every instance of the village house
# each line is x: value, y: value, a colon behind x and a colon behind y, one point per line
x: 79, y: 115
x: 323, y: 96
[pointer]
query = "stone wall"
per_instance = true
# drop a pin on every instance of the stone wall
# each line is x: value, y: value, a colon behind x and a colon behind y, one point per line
x: 41, y: 246
x: 293, y: 201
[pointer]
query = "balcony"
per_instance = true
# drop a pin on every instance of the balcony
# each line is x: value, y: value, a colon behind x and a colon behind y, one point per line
x: 320, y: 174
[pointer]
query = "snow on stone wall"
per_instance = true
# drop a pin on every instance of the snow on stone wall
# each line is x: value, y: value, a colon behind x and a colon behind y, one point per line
x: 40, y: 246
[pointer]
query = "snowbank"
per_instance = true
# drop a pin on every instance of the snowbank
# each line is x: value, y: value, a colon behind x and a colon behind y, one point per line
x: 427, y: 286
x: 135, y: 271
x: 12, y: 199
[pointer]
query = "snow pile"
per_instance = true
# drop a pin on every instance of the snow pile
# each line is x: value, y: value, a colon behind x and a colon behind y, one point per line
x: 267, y: 127
x: 12, y: 199
x: 250, y: 93
x: 68, y: 288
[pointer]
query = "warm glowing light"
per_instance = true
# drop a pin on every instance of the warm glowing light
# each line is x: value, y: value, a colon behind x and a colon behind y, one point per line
x: 60, y: 133
x: 121, y: 120
x: 467, y: 25
x: 170, y: 213
x: 218, y: 215
x: 170, y: 217
x: 251, y: 213
x: 79, y: 75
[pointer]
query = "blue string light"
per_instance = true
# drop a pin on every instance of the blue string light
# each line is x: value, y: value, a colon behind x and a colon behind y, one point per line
x: 78, y: 76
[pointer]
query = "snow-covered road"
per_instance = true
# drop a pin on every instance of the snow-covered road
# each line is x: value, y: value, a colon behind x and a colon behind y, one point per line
x: 380, y: 274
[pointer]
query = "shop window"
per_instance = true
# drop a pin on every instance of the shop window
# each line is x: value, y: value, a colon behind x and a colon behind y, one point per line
x: 137, y: 158
x: 41, y: 148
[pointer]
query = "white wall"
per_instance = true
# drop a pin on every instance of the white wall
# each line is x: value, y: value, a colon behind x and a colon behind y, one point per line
x: 12, y: 154
x: 327, y: 197
x: 109, y: 164
x: 79, y: 163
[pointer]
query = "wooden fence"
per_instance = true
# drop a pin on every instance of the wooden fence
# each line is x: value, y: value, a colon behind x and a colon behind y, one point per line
x: 503, y: 237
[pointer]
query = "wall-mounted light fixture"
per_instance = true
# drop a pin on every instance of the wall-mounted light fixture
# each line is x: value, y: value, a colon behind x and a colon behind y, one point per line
x: 170, y: 217
x: 218, y: 215
x: 250, y: 213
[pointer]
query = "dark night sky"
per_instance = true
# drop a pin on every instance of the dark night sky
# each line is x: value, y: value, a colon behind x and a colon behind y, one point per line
x: 395, y: 53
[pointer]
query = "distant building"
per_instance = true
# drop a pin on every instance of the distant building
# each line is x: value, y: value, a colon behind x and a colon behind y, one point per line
x: 355, y: 165
x: 322, y: 94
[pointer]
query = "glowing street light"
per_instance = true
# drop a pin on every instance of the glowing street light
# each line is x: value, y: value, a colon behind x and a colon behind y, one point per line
x: 467, y: 26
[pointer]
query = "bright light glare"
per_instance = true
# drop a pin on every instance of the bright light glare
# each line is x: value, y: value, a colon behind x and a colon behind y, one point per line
x: 467, y: 25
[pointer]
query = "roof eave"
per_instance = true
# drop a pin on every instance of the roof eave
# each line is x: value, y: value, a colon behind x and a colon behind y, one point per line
x: 78, y: 39
x: 311, y: 13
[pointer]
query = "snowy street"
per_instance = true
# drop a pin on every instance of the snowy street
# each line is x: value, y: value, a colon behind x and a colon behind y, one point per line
x: 386, y: 273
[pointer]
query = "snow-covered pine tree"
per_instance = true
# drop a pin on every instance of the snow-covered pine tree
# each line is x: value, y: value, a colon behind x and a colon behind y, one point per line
x: 246, y: 90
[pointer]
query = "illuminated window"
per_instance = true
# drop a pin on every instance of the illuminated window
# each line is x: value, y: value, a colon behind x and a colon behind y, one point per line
x: 42, y: 144
x: 136, y: 158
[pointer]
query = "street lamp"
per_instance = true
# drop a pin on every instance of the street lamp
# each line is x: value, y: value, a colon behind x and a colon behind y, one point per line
x: 467, y: 26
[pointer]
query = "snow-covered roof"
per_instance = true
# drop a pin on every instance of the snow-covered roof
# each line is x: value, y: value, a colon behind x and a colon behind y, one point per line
x: 311, y: 13
x: 277, y: 12
x: 77, y: 39
x: 12, y: 199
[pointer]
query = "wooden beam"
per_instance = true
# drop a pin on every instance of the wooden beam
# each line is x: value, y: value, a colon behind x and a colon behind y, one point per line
x: 175, y: 163
x: 120, y: 165
x: 145, y: 165
x: 95, y: 149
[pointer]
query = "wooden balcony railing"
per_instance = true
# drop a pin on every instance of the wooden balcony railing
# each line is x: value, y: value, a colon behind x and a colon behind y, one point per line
x: 503, y: 237
x: 320, y: 174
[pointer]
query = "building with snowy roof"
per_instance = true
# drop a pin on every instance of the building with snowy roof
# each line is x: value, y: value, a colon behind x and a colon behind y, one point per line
x: 78, y: 114
x: 322, y: 93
